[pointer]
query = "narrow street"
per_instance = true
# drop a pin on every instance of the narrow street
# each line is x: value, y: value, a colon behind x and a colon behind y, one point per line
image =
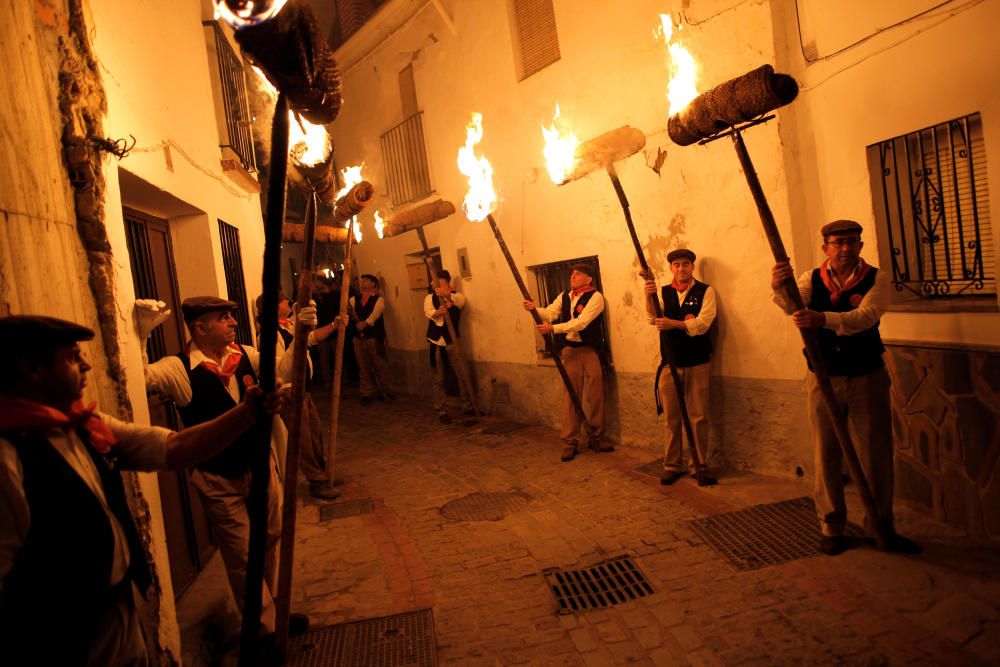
x: 485, y: 579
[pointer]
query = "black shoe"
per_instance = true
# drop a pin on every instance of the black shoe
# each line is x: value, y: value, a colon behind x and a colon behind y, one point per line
x: 469, y: 413
x: 444, y: 418
x: 337, y: 480
x: 298, y: 624
x: 366, y: 400
x: 670, y: 476
x: 387, y: 397
x: 568, y: 451
x: 833, y: 545
x: 472, y: 421
x: 898, y: 544
x: 323, y: 491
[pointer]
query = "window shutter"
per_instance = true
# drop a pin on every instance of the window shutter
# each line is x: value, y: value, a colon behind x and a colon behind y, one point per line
x: 536, y: 33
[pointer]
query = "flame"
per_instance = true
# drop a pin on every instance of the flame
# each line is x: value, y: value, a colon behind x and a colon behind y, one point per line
x: 481, y: 199
x: 247, y: 14
x: 352, y: 176
x: 683, y: 70
x: 379, y: 225
x: 357, y: 230
x: 560, y: 149
x: 309, y: 144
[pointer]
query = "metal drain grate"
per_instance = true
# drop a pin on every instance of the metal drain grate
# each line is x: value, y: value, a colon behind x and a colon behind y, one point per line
x: 653, y: 469
x: 502, y: 428
x: 609, y: 583
x: 403, y: 640
x: 485, y: 506
x: 765, y: 534
x: 346, y: 508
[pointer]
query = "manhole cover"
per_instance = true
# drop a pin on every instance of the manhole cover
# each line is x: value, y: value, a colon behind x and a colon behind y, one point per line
x: 346, y: 508
x: 403, y: 640
x: 609, y: 583
x: 653, y: 469
x: 765, y: 534
x: 484, y: 506
x: 502, y: 428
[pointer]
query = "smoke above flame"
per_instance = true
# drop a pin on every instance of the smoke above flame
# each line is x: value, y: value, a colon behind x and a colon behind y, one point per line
x: 682, y: 88
x: 560, y: 149
x: 481, y: 199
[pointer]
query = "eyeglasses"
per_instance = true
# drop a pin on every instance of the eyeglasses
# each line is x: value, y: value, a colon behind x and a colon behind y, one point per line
x: 849, y: 242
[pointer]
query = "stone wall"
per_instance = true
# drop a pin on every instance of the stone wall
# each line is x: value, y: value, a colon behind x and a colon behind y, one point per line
x: 946, y: 402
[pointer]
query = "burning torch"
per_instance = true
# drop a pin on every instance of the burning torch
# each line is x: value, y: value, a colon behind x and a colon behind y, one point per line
x: 727, y: 110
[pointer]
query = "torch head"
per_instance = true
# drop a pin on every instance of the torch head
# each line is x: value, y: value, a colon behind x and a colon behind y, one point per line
x: 417, y: 217
x: 735, y: 101
x: 606, y: 149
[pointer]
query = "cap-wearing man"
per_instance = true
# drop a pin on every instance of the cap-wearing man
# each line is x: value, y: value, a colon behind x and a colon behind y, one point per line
x: 845, y: 299
x: 311, y: 460
x: 369, y: 340
x: 443, y: 302
x: 688, y: 315
x: 71, y: 560
x: 204, y: 380
x: 578, y: 315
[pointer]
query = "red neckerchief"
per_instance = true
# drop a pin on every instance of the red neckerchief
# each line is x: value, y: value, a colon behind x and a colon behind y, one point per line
x: 582, y: 290
x: 20, y: 414
x: 284, y: 322
x: 860, y: 271
x: 229, y: 365
x: 365, y: 295
x: 681, y: 288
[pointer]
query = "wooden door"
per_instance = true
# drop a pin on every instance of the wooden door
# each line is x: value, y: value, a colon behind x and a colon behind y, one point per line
x: 189, y: 538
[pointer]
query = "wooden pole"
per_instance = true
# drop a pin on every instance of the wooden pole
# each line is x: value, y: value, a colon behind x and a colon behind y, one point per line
x: 300, y: 378
x: 699, y: 467
x: 338, y: 361
x: 457, y: 348
x: 261, y: 463
x: 811, y: 340
x: 550, y: 338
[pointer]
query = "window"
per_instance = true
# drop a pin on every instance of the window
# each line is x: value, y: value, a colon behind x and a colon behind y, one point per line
x: 553, y: 279
x: 235, y: 133
x: 405, y: 158
x: 232, y: 262
x: 536, y: 43
x: 933, y: 215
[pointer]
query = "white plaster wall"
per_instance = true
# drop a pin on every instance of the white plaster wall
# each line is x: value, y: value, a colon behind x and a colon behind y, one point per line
x: 927, y: 71
x: 612, y: 72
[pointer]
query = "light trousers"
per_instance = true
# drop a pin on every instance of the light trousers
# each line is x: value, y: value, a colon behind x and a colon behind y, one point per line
x: 583, y: 366
x: 695, y: 381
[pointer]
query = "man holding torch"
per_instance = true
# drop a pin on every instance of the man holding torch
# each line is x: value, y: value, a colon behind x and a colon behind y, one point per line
x: 845, y: 298
x: 369, y: 340
x: 443, y: 302
x: 688, y: 316
x: 578, y: 315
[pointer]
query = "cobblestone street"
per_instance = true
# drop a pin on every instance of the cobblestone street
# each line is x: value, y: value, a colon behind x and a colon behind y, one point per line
x: 491, y: 603
x: 492, y: 606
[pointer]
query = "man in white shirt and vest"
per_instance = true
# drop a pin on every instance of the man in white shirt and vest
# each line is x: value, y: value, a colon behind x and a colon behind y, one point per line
x: 845, y: 298
x: 688, y: 315
x: 205, y: 379
x: 443, y: 302
x: 369, y: 340
x: 578, y: 317
x: 71, y: 559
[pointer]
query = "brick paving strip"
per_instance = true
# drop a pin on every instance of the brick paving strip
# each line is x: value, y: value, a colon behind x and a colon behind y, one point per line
x: 492, y: 605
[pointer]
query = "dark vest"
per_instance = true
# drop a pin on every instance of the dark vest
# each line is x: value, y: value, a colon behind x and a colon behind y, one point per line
x: 58, y: 588
x: 377, y: 330
x: 435, y: 331
x: 593, y: 334
x: 286, y: 337
x: 209, y: 399
x: 688, y: 350
x: 848, y: 356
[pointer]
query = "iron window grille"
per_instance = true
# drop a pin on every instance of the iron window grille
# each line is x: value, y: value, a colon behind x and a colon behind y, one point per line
x: 932, y: 209
x: 232, y: 81
x: 232, y: 262
x: 551, y: 280
x: 405, y: 157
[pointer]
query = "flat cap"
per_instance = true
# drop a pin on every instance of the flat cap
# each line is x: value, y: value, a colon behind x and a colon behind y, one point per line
x: 197, y: 306
x: 18, y: 332
x: 680, y: 253
x: 840, y: 227
x: 583, y: 268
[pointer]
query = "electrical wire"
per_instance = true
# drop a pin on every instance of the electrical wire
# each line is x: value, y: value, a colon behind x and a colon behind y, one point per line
x: 208, y: 172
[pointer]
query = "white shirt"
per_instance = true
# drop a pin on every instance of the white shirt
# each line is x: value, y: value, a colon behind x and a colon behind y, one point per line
x: 702, y: 322
x: 377, y: 310
x: 574, y: 325
x: 138, y: 448
x: 867, y: 314
x: 457, y: 300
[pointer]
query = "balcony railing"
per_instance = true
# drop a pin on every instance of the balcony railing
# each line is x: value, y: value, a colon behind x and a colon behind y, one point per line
x: 405, y: 159
x: 234, y: 100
